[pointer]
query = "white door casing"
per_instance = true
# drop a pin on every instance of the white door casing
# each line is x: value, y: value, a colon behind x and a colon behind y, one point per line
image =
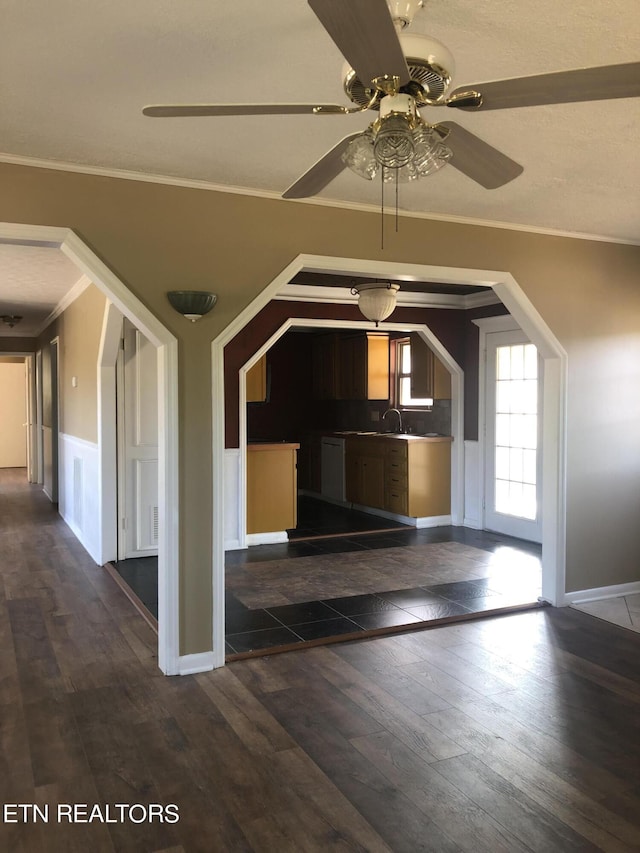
x: 138, y: 443
x: 512, y: 425
x: 50, y: 432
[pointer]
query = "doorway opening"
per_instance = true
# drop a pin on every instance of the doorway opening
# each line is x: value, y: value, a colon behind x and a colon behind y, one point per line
x: 101, y: 502
x: 19, y: 433
x: 325, y: 392
x: 465, y: 478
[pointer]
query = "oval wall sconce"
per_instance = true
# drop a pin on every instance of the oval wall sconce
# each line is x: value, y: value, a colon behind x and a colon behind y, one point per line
x: 192, y: 304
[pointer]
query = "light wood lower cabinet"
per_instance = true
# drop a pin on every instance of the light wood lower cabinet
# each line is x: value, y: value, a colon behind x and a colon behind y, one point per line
x: 272, y: 487
x: 407, y: 476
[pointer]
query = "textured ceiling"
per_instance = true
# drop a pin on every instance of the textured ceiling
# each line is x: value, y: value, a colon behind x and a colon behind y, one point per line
x: 33, y: 280
x: 75, y: 77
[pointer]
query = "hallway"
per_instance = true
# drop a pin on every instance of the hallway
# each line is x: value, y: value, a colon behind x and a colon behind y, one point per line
x: 507, y: 734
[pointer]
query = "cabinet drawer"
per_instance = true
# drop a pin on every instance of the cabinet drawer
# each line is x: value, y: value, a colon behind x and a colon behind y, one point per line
x: 396, y: 501
x: 396, y: 468
x: 396, y: 482
x: 396, y: 449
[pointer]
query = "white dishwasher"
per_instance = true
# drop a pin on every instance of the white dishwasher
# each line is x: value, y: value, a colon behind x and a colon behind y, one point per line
x: 332, y: 468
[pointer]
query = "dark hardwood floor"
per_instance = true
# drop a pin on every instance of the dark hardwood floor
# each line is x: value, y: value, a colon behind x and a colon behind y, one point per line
x: 514, y: 733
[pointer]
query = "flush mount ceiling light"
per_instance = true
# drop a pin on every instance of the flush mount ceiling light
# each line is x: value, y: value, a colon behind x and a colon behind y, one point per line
x: 376, y: 299
x: 192, y: 304
x: 11, y: 319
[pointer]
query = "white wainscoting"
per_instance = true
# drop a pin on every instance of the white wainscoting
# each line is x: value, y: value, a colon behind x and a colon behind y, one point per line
x: 233, y: 536
x: 79, y: 495
x: 472, y: 498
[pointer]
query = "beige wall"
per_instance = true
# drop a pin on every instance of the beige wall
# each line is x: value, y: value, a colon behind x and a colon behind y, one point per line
x: 78, y: 329
x: 13, y: 413
x: 158, y: 238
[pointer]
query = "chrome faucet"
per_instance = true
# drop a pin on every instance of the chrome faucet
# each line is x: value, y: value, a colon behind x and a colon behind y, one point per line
x: 399, y: 417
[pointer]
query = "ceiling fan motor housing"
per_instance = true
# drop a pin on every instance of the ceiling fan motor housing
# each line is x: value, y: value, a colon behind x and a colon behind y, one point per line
x: 431, y: 66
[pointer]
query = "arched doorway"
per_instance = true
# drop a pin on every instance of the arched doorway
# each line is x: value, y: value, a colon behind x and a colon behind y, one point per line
x: 555, y: 365
x: 129, y: 306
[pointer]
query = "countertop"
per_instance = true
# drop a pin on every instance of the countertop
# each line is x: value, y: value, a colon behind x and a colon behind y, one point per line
x: 272, y: 445
x: 409, y: 437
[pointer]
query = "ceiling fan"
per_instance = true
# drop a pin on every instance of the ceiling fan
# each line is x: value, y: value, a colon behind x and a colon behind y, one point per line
x: 395, y: 74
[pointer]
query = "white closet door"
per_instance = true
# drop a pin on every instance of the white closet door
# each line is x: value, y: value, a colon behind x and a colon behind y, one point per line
x: 139, y: 445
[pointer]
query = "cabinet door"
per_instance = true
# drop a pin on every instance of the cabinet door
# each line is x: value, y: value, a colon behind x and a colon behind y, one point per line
x: 271, y: 490
x: 324, y: 364
x: 441, y: 381
x: 372, y: 481
x: 347, y: 368
x: 257, y: 382
x: 422, y: 368
x: 352, y: 476
x: 377, y: 367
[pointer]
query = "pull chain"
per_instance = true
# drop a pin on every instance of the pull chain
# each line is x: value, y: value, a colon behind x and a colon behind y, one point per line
x: 396, y: 201
x: 382, y: 208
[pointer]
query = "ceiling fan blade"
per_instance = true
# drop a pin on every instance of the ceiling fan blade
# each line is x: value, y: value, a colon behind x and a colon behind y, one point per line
x: 321, y: 173
x: 365, y: 35
x: 559, y: 87
x: 477, y: 159
x: 178, y: 110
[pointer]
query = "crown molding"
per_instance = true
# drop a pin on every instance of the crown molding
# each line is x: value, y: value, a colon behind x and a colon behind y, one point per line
x: 190, y: 183
x: 404, y: 299
x: 70, y: 296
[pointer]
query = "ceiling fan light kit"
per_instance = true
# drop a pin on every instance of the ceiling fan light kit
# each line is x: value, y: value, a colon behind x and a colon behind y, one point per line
x: 384, y: 65
x: 399, y: 142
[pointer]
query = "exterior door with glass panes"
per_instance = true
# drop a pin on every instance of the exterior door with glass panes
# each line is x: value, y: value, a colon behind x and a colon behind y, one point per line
x: 513, y: 455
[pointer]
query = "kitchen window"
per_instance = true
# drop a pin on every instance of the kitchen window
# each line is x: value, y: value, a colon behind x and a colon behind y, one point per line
x: 404, y: 379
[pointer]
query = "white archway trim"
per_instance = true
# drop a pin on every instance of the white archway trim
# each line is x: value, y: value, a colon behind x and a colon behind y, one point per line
x: 107, y: 430
x: 554, y: 426
x: 168, y: 487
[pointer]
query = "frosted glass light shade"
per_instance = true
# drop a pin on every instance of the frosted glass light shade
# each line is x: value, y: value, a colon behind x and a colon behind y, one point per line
x: 376, y: 300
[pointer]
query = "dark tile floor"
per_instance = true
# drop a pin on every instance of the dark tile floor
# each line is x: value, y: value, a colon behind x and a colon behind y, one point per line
x: 260, y: 629
x: 319, y: 518
x: 251, y: 629
x: 141, y: 575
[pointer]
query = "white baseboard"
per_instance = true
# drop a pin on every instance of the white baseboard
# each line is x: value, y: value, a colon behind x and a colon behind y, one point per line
x: 271, y: 538
x: 433, y: 521
x: 232, y: 545
x: 426, y: 521
x: 582, y: 596
x: 200, y: 662
x: 472, y: 500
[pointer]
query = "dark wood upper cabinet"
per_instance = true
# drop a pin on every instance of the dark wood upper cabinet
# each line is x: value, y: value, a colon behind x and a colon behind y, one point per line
x: 352, y: 366
x: 429, y: 376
